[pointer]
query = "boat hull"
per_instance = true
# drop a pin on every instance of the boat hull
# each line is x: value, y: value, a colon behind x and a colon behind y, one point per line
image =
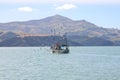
x: 61, y: 51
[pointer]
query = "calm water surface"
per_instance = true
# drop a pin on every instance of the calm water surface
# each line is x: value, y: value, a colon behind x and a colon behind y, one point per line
x: 37, y: 63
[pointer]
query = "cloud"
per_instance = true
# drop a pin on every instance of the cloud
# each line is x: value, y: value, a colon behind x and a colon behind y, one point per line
x: 63, y: 1
x: 25, y: 9
x: 66, y: 7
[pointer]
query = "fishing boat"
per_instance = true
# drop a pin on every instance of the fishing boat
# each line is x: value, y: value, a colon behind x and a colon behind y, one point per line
x: 60, y: 47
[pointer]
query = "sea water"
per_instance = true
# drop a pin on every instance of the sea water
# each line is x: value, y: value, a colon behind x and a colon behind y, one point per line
x: 38, y: 63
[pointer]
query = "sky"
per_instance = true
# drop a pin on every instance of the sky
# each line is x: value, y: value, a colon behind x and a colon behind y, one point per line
x: 104, y: 13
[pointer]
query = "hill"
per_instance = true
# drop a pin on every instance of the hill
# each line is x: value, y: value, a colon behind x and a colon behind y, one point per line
x: 80, y: 32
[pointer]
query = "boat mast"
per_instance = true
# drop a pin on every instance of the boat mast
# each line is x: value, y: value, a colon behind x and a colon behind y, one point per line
x: 66, y: 42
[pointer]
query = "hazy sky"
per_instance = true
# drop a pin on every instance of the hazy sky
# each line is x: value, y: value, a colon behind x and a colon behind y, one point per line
x: 105, y: 13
